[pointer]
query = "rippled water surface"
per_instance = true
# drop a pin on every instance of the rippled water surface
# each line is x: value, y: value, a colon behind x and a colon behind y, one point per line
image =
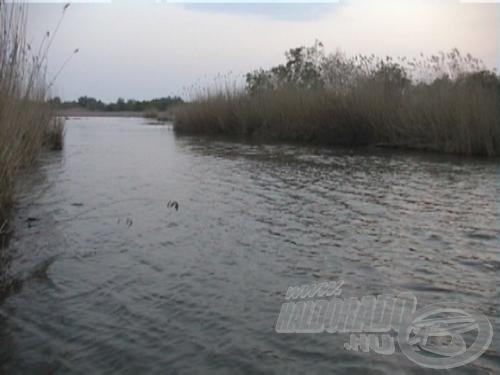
x: 113, y: 280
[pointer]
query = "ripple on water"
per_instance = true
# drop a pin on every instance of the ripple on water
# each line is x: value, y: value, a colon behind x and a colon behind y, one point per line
x: 115, y: 281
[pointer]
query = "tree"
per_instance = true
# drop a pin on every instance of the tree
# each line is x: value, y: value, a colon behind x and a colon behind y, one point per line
x: 303, y: 69
x: 120, y: 104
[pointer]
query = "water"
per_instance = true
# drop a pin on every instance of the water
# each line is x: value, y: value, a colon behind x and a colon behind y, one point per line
x: 113, y: 280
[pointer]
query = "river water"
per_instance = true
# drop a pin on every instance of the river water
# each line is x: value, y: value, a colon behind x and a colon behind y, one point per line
x: 113, y: 280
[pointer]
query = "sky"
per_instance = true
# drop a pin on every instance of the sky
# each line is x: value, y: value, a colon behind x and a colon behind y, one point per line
x: 150, y: 49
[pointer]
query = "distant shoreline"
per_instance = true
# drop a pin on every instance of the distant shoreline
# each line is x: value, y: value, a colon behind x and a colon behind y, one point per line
x: 82, y: 112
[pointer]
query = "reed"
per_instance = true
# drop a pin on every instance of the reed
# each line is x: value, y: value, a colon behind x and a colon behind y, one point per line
x: 27, y: 123
x: 448, y: 103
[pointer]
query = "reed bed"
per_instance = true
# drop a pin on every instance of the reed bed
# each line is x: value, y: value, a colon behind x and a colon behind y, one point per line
x: 27, y: 122
x: 448, y: 103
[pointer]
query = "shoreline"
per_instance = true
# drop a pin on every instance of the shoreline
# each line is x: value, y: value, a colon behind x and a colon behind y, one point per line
x: 79, y: 112
x: 87, y: 113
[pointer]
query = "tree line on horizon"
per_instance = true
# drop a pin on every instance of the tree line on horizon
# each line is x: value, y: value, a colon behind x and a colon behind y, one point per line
x: 130, y: 105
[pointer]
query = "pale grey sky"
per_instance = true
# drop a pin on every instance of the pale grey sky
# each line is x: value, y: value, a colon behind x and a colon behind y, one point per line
x: 145, y: 50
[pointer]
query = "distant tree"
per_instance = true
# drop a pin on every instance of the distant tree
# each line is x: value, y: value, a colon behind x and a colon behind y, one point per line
x: 55, y: 101
x: 82, y: 101
x: 120, y: 104
x: 303, y: 69
x: 132, y: 105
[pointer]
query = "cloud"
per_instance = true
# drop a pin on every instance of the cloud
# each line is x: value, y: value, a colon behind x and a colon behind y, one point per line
x: 279, y: 11
x: 143, y: 51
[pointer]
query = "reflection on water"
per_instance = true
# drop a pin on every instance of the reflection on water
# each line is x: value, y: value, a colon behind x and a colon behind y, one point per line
x: 115, y: 279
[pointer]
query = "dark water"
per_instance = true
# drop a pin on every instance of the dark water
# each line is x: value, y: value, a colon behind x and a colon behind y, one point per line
x: 113, y: 280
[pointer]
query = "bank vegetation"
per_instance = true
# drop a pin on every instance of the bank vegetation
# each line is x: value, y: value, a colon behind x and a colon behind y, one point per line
x: 448, y: 102
x: 27, y: 122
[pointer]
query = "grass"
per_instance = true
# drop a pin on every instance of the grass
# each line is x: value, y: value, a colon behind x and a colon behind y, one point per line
x: 54, y: 135
x: 446, y: 103
x: 27, y: 124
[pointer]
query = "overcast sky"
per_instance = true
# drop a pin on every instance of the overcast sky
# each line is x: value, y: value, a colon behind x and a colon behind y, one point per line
x: 148, y: 50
